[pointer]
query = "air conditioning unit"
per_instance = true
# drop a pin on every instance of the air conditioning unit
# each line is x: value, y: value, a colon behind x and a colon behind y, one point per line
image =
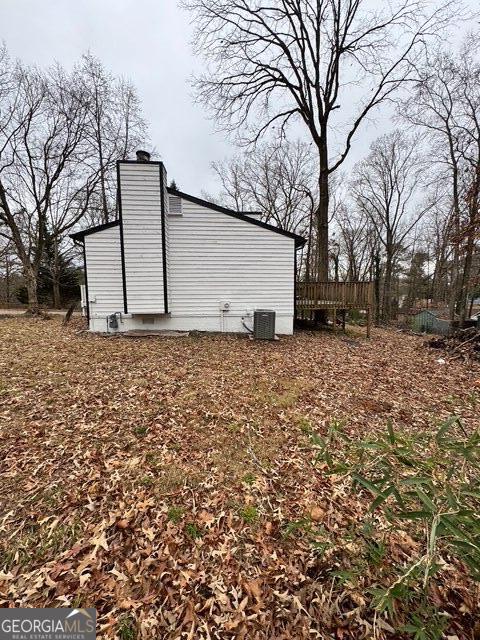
x: 264, y: 324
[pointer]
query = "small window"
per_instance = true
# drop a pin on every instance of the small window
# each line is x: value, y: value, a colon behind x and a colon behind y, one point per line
x: 175, y: 205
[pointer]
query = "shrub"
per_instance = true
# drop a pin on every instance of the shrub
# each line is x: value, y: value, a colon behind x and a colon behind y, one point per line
x: 430, y: 480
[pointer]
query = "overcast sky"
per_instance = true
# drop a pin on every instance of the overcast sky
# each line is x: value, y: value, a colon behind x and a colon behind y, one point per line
x: 147, y: 41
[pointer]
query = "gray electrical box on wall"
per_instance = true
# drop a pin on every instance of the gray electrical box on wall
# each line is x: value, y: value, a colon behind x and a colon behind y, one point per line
x: 264, y: 324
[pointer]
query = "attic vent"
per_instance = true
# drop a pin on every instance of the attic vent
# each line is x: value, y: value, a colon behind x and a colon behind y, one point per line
x: 175, y: 205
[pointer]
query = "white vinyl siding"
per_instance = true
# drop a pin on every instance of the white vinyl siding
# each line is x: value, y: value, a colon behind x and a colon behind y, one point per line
x: 142, y: 237
x: 216, y: 257
x: 211, y: 258
x: 104, y: 271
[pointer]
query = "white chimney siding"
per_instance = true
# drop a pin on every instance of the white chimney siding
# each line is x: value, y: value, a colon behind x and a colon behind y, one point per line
x: 140, y: 191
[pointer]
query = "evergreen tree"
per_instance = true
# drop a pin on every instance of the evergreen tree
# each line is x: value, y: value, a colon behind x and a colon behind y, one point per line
x: 58, y: 280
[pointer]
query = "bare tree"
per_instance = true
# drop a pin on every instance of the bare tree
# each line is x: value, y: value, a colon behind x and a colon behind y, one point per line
x: 437, y: 239
x: 234, y: 186
x: 355, y: 235
x: 446, y: 104
x: 42, y: 140
x: 469, y: 71
x: 274, y: 179
x: 60, y: 135
x: 272, y: 62
x: 386, y: 189
x: 115, y: 126
x: 416, y: 279
x: 277, y: 180
x: 432, y: 108
x: 70, y: 204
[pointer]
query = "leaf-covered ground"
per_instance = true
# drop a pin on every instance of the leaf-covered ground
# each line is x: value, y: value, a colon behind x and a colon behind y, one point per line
x: 172, y: 482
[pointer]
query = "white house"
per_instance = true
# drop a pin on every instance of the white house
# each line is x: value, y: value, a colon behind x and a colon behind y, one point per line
x: 175, y: 262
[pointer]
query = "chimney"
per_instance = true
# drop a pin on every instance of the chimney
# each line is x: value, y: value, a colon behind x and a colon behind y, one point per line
x: 143, y: 156
x: 143, y: 199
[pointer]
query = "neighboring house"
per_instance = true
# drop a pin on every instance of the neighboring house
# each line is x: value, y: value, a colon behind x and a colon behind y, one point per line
x: 175, y: 262
x: 431, y: 321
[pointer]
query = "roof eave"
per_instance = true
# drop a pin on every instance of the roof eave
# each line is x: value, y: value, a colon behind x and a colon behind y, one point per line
x: 80, y: 235
x: 299, y: 240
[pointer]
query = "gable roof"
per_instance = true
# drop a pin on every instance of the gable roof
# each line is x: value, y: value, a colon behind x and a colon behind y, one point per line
x: 431, y: 312
x: 239, y: 215
x: 436, y: 313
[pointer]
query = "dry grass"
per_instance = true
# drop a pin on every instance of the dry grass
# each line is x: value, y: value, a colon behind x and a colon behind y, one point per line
x: 172, y: 482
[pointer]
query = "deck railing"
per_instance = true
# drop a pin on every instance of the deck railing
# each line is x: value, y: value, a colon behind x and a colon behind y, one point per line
x: 334, y: 295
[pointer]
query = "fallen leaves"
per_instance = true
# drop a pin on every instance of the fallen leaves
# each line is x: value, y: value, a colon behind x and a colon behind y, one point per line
x: 172, y: 484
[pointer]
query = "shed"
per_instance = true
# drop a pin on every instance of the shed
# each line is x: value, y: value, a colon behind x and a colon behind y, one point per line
x: 430, y: 321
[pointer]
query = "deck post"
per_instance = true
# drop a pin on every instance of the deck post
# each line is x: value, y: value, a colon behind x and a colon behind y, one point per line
x: 344, y: 313
x: 369, y: 321
x: 334, y: 320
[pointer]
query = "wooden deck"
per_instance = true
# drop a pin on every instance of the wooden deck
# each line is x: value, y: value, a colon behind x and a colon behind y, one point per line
x: 335, y: 296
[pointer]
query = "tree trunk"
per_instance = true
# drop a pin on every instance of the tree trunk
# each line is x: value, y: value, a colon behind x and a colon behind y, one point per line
x: 469, y: 249
x: 31, y: 284
x: 30, y: 269
x: 336, y: 267
x: 352, y: 271
x: 455, y: 284
x: 308, y: 264
x: 440, y: 274
x: 7, y: 280
x: 465, y: 280
x: 387, y: 287
x: 322, y: 222
x: 376, y: 280
x: 470, y: 306
x: 57, y: 303
x: 322, y: 214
